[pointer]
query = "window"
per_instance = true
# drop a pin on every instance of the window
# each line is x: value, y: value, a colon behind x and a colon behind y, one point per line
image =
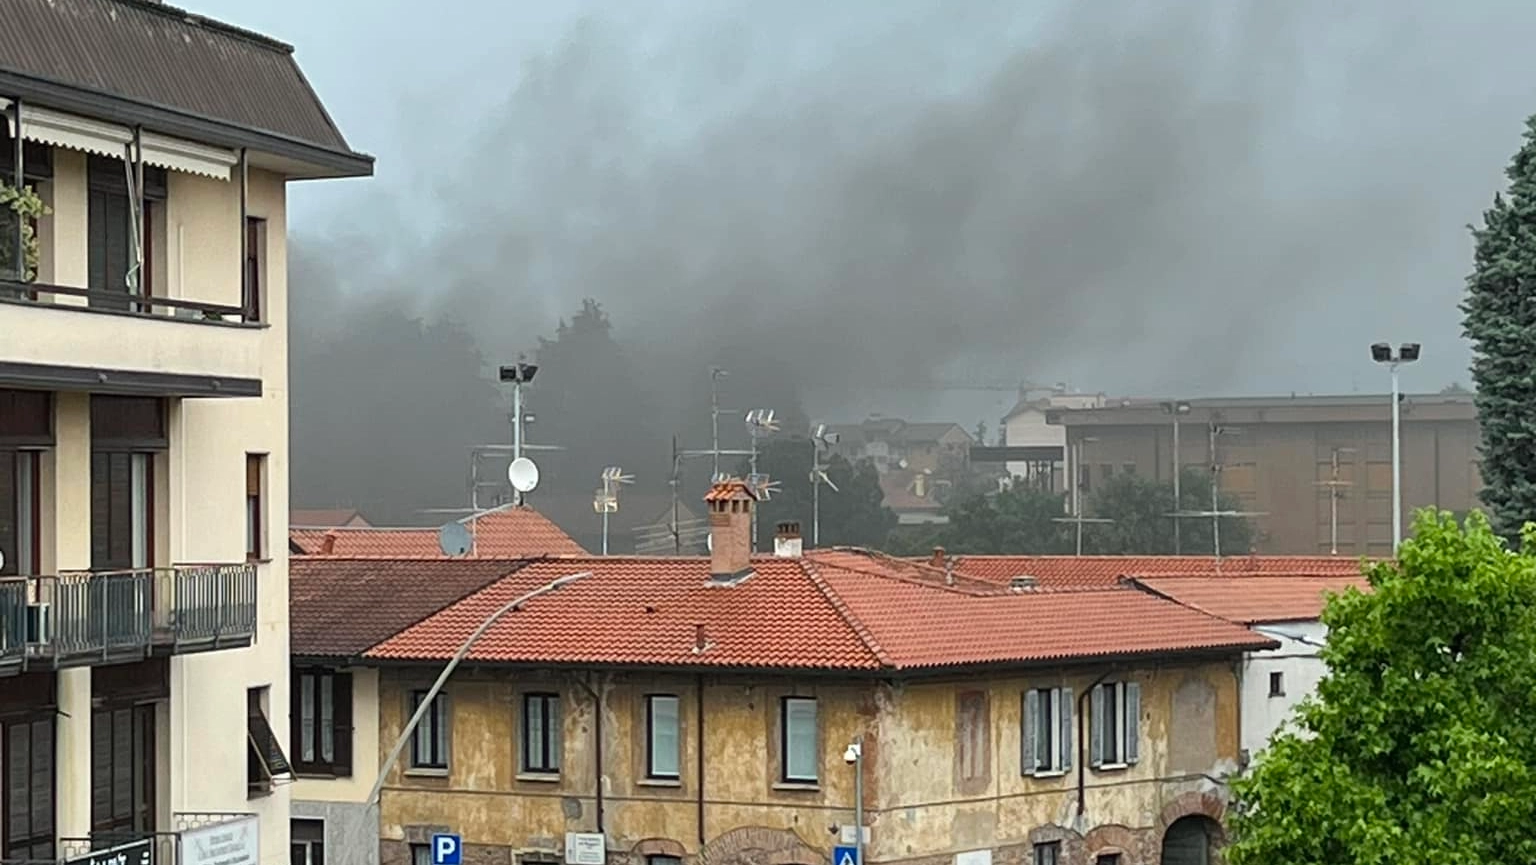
x: 123, y: 769
x: 27, y: 754
x: 307, y: 846
x: 265, y: 760
x: 1107, y: 859
x: 20, y: 513
x: 1048, y: 853
x: 542, y: 740
x: 112, y: 235
x: 1277, y: 684
x: 322, y: 722
x: 255, y: 539
x: 663, y: 860
x: 255, y: 260
x: 799, y: 743
x: 1047, y: 734
x: 122, y: 505
x: 421, y: 854
x: 974, y: 734
x: 429, y: 742
x: 663, y: 740
x: 1116, y: 717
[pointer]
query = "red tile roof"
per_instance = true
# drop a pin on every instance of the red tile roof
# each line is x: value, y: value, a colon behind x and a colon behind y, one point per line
x: 324, y: 518
x: 735, y: 488
x: 502, y: 533
x: 341, y: 607
x: 1091, y: 571
x: 842, y: 611
x: 1254, y: 600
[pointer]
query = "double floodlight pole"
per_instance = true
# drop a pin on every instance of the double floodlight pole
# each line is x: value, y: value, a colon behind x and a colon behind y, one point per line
x: 1384, y: 353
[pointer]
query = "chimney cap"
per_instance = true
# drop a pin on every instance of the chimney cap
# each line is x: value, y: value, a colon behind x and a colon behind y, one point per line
x: 789, y: 528
x: 730, y: 489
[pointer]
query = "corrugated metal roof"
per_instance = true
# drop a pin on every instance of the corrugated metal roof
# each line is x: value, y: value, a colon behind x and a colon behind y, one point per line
x: 168, y: 58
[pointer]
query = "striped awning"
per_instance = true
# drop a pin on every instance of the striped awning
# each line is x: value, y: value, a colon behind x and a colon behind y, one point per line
x: 73, y: 132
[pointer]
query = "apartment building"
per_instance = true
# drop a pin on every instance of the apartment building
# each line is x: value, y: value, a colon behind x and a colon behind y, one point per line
x: 1317, y: 470
x: 656, y: 711
x: 144, y: 157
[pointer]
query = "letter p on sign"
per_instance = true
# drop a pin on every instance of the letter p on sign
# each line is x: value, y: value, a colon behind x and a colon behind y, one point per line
x: 447, y: 850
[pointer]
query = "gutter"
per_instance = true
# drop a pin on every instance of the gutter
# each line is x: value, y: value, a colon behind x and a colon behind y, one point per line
x: 698, y: 747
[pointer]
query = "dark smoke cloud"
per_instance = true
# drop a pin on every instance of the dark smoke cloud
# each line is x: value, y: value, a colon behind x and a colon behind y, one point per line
x: 1201, y: 197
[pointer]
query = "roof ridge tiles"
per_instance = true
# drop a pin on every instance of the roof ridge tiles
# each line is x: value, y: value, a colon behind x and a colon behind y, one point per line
x: 813, y: 573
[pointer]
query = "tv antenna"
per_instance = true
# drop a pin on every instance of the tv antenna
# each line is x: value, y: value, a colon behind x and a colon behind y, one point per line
x: 715, y: 452
x: 606, y: 499
x: 822, y: 440
x: 761, y: 423
x: 455, y: 540
x: 1215, y: 514
x: 1336, y: 488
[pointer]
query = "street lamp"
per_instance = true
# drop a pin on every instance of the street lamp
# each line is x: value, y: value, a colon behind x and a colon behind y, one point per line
x: 1408, y: 352
x: 853, y: 755
x: 1176, y: 408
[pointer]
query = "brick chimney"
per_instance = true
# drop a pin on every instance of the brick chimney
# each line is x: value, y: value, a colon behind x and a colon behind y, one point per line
x: 730, y: 531
x: 328, y: 544
x: 937, y: 560
x: 786, y: 541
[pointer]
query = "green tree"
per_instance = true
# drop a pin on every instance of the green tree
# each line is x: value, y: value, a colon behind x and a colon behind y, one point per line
x: 1140, y: 508
x: 1019, y: 520
x: 1500, y: 320
x: 1418, y: 746
x: 854, y: 515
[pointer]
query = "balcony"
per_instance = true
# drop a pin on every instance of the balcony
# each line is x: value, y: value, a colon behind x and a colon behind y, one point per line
x: 83, y: 617
x: 106, y: 332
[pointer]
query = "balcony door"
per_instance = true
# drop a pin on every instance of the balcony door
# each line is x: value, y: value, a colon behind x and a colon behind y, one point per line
x: 26, y: 815
x: 126, y: 435
x: 20, y: 513
x: 110, y: 233
x: 122, y: 773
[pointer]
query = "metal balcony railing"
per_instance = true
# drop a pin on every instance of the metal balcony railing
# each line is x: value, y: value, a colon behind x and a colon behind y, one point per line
x: 122, y: 302
x: 86, y: 617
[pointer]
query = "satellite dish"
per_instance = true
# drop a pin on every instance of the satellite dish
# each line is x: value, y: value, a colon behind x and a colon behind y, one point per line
x: 709, y: 542
x: 523, y: 474
x: 454, y: 540
x: 2, y: 558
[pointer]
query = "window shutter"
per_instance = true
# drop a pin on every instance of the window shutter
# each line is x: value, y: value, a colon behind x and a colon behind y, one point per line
x: 341, y: 717
x: 1030, y: 761
x: 1096, y: 727
x: 1065, y: 739
x: 1132, y: 721
x: 253, y: 474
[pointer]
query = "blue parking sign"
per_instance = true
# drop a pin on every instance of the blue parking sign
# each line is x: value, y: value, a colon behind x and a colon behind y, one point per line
x: 447, y: 850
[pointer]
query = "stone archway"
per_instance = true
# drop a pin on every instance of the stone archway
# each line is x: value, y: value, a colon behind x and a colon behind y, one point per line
x: 1194, y: 839
x: 760, y: 845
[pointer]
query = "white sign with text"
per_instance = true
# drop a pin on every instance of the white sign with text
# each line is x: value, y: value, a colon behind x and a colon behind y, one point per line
x: 233, y: 842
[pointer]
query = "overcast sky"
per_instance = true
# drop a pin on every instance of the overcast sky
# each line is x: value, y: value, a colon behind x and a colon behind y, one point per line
x: 1371, y: 140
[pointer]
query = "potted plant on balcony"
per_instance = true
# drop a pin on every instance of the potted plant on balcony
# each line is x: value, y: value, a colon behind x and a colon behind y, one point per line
x: 23, y: 204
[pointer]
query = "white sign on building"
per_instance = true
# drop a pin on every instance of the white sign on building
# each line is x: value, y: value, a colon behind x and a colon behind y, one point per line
x: 583, y: 848
x: 233, y: 842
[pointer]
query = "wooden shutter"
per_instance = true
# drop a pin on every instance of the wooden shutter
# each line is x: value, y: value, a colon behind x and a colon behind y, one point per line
x: 1132, y: 722
x: 253, y: 474
x: 1064, y: 741
x: 1028, y: 756
x: 341, y: 719
x: 1096, y: 727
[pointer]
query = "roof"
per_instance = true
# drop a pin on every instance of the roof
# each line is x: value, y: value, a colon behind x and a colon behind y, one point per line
x: 841, y: 611
x: 134, y: 56
x: 895, y: 429
x: 325, y: 518
x: 341, y: 607
x: 1254, y: 600
x: 507, y: 532
x: 1102, y: 571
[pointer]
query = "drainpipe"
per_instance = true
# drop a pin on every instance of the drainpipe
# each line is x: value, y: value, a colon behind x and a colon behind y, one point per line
x: 1082, y: 744
x: 597, y: 746
x: 698, y: 747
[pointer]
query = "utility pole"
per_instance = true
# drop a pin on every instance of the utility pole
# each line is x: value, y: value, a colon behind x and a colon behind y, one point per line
x: 1335, y: 492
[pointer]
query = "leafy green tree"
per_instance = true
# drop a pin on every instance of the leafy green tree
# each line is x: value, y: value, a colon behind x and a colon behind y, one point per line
x: 854, y: 515
x: 1418, y: 746
x: 1500, y: 320
x: 1140, y: 508
x: 1019, y: 520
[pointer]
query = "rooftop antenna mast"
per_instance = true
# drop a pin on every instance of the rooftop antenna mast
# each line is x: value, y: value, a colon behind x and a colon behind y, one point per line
x: 1336, y: 489
x: 715, y: 452
x: 761, y: 423
x: 1075, y: 475
x: 822, y: 440
x: 1216, y: 513
x: 606, y: 500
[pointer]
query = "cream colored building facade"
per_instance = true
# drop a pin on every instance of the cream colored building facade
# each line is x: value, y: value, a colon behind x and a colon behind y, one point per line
x: 144, y: 439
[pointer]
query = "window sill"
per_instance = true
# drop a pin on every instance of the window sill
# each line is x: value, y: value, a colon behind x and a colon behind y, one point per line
x: 1047, y: 774
x: 317, y: 774
x: 798, y: 786
x: 659, y: 782
x: 539, y: 777
x: 1111, y: 767
x: 426, y: 772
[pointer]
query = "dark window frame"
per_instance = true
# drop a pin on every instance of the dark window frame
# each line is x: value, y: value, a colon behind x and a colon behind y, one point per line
x: 254, y: 269
x: 37, y: 843
x: 311, y: 732
x: 306, y: 846
x: 650, y: 737
x: 255, y: 505
x: 434, y: 725
x: 26, y: 509
x: 785, y: 775
x: 1048, y: 853
x: 545, y: 759
x: 131, y: 765
x: 1277, y: 683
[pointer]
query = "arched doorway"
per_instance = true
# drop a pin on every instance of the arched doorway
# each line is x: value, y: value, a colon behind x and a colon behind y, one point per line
x: 1191, y: 840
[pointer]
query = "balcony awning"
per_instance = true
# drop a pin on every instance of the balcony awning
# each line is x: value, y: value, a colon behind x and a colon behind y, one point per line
x: 73, y: 132
x: 33, y: 376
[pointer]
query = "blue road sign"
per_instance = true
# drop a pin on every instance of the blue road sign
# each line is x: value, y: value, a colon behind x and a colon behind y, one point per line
x: 446, y: 850
x: 845, y: 856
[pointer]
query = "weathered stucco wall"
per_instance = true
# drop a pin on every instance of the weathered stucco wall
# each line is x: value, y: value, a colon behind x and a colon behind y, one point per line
x: 919, y: 804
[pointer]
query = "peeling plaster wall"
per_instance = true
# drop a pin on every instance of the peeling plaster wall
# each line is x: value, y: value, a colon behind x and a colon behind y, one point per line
x: 920, y: 806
